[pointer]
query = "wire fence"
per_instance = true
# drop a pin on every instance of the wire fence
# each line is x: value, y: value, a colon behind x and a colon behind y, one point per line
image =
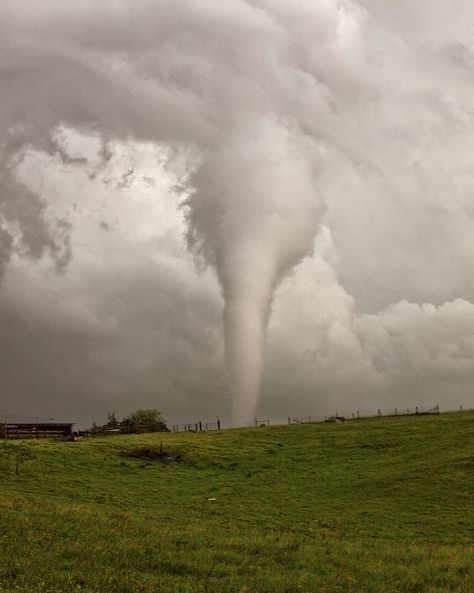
x: 357, y: 415
x: 199, y: 426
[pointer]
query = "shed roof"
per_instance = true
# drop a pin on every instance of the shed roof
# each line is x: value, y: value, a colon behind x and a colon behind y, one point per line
x: 31, y: 420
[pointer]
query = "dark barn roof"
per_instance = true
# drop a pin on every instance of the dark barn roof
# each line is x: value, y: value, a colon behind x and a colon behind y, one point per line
x: 28, y: 419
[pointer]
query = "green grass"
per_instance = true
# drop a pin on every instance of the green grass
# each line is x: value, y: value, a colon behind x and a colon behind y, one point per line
x: 381, y: 506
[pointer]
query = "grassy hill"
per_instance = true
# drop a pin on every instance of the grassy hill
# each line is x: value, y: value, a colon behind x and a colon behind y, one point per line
x: 382, y: 506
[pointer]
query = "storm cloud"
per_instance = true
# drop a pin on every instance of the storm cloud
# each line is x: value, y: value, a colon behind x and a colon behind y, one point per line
x: 307, y: 168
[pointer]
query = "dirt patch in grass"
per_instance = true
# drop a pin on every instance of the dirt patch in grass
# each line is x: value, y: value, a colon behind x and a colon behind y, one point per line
x: 156, y: 455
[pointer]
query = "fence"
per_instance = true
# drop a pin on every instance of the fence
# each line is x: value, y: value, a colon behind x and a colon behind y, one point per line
x: 120, y: 429
x: 196, y: 426
x: 123, y: 429
x: 337, y: 417
x: 22, y: 430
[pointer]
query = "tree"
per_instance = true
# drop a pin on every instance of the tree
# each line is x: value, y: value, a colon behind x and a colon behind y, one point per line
x: 112, y: 420
x: 146, y: 417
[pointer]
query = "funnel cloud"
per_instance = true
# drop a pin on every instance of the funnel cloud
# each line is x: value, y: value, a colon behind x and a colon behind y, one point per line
x: 254, y: 215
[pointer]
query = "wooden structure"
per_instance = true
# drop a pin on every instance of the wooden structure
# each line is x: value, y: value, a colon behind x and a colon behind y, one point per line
x: 38, y: 429
x: 197, y: 426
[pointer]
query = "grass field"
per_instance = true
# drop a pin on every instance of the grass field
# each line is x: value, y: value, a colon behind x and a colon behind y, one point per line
x: 382, y: 506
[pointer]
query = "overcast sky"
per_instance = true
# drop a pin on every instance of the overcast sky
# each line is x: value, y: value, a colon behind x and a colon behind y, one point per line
x: 154, y: 156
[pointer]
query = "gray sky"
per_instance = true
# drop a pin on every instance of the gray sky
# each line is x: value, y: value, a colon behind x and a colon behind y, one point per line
x: 308, y: 165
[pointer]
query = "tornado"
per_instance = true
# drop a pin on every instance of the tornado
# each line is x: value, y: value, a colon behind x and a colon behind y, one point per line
x: 255, y: 89
x: 255, y: 214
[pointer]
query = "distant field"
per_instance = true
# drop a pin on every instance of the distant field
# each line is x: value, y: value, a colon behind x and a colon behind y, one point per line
x: 382, y: 506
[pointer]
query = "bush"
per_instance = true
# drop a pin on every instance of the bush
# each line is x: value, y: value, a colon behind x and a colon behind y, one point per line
x: 146, y: 417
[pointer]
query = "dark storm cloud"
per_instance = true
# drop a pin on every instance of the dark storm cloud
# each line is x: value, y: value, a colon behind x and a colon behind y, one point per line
x: 276, y: 117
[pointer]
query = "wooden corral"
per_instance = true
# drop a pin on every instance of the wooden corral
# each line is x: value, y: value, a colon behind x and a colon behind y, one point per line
x: 35, y: 430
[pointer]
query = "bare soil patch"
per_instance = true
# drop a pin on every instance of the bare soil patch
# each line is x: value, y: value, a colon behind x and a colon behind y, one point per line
x: 155, y: 455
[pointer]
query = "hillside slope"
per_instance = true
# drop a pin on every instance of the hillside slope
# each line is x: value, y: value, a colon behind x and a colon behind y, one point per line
x: 382, y: 506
